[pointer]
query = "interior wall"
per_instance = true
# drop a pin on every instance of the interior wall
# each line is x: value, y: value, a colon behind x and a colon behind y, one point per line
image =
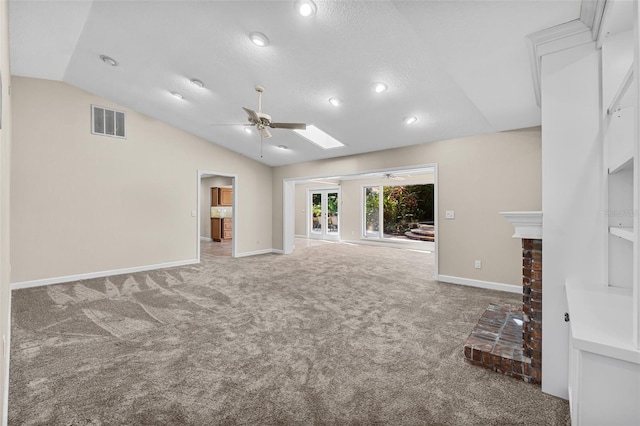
x: 87, y: 203
x: 5, y: 175
x: 571, y: 198
x: 205, y: 200
x: 478, y: 177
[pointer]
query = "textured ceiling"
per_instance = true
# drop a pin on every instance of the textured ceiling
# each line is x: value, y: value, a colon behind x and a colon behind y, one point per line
x: 461, y: 67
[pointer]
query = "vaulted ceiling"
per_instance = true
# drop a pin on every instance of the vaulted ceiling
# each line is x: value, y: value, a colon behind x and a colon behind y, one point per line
x: 460, y: 67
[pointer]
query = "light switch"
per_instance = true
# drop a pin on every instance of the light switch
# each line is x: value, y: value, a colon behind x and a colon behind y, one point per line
x: 449, y: 214
x: 193, y: 213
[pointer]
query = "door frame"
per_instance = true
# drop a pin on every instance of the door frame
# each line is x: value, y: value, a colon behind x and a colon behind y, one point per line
x: 324, y: 237
x: 234, y: 213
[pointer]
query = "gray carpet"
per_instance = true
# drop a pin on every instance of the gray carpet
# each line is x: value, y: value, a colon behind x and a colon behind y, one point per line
x: 333, y: 334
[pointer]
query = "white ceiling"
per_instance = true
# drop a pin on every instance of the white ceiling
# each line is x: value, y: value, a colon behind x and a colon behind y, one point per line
x: 461, y: 67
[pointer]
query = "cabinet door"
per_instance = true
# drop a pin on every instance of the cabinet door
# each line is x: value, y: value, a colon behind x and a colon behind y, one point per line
x: 215, y: 200
x: 215, y: 229
x: 227, y: 229
x: 226, y: 196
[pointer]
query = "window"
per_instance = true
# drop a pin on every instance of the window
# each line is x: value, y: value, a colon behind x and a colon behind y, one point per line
x: 399, y: 212
x: 107, y: 122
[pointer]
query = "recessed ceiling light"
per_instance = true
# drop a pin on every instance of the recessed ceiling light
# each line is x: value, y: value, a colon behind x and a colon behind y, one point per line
x: 410, y: 120
x: 259, y: 39
x: 283, y: 147
x: 305, y: 7
x: 336, y: 102
x: 110, y: 61
x: 196, y: 82
x: 380, y: 87
x: 177, y: 95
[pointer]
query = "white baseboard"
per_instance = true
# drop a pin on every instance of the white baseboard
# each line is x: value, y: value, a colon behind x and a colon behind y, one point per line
x: 257, y: 252
x: 480, y: 284
x: 206, y: 239
x: 100, y: 274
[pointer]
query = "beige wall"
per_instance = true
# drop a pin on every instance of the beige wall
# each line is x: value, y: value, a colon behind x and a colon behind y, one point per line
x: 478, y: 177
x: 84, y: 203
x: 5, y: 157
x: 205, y: 201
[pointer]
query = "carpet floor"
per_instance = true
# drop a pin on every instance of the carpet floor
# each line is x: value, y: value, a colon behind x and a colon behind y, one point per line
x: 332, y: 334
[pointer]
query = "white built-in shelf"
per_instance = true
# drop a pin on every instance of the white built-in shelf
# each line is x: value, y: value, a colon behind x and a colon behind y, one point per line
x: 600, y: 320
x: 624, y: 232
x: 623, y: 162
x: 618, y: 97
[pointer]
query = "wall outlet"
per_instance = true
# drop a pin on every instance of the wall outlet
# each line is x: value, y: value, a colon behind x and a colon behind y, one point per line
x: 478, y: 264
x: 449, y: 214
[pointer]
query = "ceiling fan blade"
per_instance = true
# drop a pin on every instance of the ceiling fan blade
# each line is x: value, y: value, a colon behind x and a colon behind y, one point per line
x: 264, y: 132
x: 253, y: 116
x: 232, y: 124
x: 291, y: 126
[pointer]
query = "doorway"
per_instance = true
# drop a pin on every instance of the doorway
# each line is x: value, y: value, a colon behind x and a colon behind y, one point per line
x: 324, y: 214
x: 206, y: 216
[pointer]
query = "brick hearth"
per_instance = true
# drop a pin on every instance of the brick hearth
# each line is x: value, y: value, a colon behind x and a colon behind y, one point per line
x: 508, y: 339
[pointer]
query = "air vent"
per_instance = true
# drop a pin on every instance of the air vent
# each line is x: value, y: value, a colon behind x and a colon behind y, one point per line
x: 107, y: 122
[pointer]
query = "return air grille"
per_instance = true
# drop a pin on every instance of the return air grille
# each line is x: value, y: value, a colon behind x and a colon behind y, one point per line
x: 107, y: 122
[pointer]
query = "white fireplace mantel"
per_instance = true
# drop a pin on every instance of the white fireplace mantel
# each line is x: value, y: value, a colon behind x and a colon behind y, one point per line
x: 528, y: 224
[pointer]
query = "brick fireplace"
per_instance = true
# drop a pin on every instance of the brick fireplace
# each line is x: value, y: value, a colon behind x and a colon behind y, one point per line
x: 508, y: 338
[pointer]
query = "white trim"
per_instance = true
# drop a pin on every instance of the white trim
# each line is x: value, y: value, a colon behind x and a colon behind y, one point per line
x: 259, y: 252
x: 299, y: 236
x: 436, y: 221
x: 7, y: 356
x: 528, y: 225
x: 234, y: 214
x: 288, y: 215
x: 591, y: 14
x: 100, y: 274
x: 561, y: 37
x: 205, y: 238
x: 480, y: 284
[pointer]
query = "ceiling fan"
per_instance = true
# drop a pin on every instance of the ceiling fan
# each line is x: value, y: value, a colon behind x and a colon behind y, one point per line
x: 391, y: 176
x: 263, y: 122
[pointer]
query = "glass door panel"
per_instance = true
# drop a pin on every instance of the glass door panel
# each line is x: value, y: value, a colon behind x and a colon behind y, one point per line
x: 325, y: 214
x: 316, y: 215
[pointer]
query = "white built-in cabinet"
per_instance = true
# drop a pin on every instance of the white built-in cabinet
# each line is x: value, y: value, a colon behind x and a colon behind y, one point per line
x: 604, y: 357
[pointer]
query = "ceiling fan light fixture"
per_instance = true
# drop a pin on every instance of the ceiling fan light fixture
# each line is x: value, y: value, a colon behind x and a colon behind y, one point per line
x: 196, y: 82
x: 177, y: 95
x: 380, y: 87
x: 305, y: 8
x: 248, y: 130
x: 410, y: 120
x: 109, y: 60
x: 283, y: 147
x: 336, y: 102
x: 259, y: 39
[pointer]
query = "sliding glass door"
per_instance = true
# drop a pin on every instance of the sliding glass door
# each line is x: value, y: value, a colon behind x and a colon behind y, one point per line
x: 398, y: 212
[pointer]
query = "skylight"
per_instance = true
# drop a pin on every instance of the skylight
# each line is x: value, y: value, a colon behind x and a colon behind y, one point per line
x: 318, y: 137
